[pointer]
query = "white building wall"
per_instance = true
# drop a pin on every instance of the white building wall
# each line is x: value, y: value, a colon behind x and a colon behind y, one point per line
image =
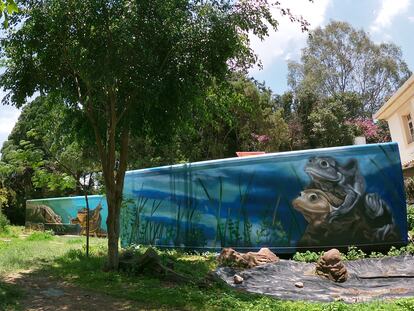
x: 399, y: 133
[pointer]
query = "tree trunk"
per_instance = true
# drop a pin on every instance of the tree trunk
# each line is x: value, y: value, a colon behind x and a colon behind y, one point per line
x: 113, y: 175
x: 112, y: 222
x: 114, y: 185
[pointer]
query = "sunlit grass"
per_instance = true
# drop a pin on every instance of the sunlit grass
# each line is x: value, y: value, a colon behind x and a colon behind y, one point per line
x: 64, y: 258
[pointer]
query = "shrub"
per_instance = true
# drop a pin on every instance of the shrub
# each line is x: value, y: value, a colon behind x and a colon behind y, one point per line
x: 40, y: 236
x: 410, y: 217
x: 4, y: 222
x: 409, y: 189
x: 308, y: 256
x: 354, y: 253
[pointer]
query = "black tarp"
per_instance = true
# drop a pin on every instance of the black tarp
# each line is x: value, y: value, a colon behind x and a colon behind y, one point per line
x: 388, y: 277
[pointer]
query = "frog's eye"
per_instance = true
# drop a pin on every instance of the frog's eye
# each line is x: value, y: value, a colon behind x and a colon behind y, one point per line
x: 324, y: 163
x: 313, y: 197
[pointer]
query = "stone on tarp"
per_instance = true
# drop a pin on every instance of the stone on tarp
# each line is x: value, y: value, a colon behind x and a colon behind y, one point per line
x: 229, y: 257
x: 330, y: 265
x: 237, y: 279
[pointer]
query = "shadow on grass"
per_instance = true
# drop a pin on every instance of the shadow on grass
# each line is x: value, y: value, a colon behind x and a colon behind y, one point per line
x: 9, y: 296
x: 93, y: 289
x: 149, y: 291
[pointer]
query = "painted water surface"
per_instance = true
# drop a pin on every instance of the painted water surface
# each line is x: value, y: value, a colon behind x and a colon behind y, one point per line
x: 318, y: 198
x: 68, y: 215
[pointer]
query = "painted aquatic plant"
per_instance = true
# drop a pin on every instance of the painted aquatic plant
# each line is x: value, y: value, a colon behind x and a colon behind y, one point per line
x: 217, y: 206
x: 233, y: 231
x: 244, y: 196
x: 188, y: 217
x: 271, y: 230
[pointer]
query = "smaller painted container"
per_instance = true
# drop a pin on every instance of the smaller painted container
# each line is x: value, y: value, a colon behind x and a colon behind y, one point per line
x: 68, y: 215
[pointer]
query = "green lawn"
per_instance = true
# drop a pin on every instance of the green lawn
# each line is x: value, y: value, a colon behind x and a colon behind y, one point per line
x: 64, y: 257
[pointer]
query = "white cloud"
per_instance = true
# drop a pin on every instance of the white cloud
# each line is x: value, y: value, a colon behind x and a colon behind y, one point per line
x: 286, y: 42
x: 8, y: 118
x: 389, y: 10
x: 411, y: 19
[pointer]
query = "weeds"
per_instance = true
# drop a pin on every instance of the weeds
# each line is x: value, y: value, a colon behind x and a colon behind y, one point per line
x: 64, y: 258
x: 40, y: 236
x: 354, y: 253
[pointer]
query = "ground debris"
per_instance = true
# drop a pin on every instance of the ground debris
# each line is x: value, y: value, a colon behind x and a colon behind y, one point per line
x: 151, y: 262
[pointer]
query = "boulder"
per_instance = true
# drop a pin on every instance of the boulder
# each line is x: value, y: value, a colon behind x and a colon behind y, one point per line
x: 229, y: 257
x: 330, y: 265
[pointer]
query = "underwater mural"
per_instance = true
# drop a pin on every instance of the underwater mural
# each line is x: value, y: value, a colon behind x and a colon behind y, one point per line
x: 286, y: 201
x: 68, y: 215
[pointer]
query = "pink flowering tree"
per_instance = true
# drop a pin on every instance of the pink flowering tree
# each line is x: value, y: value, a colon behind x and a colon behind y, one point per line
x: 374, y: 132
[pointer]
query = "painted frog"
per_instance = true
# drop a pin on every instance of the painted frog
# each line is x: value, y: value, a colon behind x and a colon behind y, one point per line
x: 315, y: 205
x: 343, y: 181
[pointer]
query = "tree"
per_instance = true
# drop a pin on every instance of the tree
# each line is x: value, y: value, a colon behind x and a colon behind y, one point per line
x: 127, y: 68
x: 330, y: 126
x: 41, y: 158
x: 7, y: 7
x: 339, y: 59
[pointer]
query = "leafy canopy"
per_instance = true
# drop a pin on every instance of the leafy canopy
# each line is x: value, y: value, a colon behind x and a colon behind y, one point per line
x: 340, y: 59
x: 127, y: 68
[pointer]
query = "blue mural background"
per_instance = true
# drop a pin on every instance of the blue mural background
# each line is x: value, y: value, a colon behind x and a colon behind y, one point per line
x: 246, y: 203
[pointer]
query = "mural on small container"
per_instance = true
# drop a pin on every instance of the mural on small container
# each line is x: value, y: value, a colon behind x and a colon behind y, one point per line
x: 68, y: 215
x: 304, y: 199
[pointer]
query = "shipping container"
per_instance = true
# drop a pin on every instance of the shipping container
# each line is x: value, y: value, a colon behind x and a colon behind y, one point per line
x: 67, y: 215
x: 289, y: 201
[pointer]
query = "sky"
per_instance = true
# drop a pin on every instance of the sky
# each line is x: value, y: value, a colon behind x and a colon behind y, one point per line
x: 384, y: 20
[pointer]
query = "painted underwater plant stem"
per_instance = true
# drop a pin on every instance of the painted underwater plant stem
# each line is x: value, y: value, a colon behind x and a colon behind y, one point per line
x: 219, y: 235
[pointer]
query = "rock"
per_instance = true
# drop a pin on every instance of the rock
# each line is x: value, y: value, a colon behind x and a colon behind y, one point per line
x: 299, y: 284
x: 237, y: 279
x: 229, y: 257
x: 330, y: 265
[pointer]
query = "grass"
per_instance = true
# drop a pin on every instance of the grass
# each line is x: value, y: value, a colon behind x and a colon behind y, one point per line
x: 63, y: 257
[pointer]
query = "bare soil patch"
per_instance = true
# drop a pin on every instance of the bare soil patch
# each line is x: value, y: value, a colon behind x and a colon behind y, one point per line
x: 45, y: 293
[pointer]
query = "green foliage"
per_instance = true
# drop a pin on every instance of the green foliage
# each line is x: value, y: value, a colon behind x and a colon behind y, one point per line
x: 409, y: 189
x: 329, y: 124
x: 7, y: 8
x: 41, y: 158
x: 235, y: 115
x: 410, y: 217
x: 307, y: 256
x: 40, y: 236
x: 4, y: 222
x: 340, y: 59
x: 354, y: 253
x: 127, y: 68
x: 64, y: 258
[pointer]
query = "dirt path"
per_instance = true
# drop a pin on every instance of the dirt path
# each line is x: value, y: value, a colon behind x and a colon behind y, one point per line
x: 44, y: 293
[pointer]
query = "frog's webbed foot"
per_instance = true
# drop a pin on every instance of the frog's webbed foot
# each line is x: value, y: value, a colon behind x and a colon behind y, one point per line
x: 374, y: 205
x: 333, y: 216
x: 382, y: 233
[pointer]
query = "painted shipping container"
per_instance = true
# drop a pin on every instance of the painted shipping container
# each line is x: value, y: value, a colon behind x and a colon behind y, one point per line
x: 67, y: 215
x: 288, y: 201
